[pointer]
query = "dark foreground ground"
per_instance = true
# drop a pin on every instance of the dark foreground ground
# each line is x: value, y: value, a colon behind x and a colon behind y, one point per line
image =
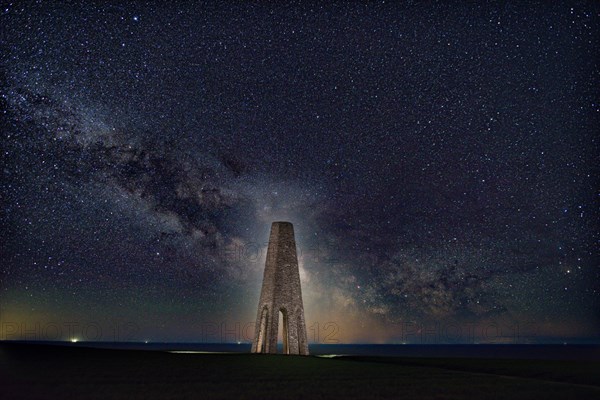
x: 30, y: 371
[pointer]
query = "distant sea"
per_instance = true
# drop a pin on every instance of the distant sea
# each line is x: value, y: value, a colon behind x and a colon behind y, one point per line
x: 514, y: 351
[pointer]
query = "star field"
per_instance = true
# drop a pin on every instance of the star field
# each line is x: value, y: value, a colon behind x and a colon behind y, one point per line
x: 439, y: 163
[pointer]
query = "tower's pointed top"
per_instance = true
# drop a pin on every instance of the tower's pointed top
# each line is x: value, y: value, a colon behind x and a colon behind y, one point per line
x: 282, y: 223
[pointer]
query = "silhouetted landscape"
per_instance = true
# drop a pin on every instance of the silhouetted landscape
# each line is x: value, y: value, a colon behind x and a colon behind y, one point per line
x: 43, y: 371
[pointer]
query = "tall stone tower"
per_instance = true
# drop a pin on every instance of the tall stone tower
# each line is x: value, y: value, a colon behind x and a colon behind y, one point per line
x: 281, y: 293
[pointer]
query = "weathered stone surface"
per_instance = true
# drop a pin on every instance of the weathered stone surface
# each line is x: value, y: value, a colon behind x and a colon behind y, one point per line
x: 281, y: 291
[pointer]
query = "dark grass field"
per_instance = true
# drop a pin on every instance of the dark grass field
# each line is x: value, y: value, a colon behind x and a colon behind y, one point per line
x: 31, y: 371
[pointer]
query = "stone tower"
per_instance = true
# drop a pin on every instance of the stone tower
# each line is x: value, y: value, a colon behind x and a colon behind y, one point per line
x: 281, y: 293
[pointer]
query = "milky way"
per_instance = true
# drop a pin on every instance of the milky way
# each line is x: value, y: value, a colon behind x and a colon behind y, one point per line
x: 439, y: 163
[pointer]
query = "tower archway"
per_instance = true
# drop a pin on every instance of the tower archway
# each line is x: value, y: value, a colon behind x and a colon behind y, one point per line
x: 284, y: 328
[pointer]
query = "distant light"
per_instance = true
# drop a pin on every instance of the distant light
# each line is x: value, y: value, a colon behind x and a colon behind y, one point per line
x: 145, y: 341
x: 74, y: 340
x: 239, y: 342
x: 136, y: 18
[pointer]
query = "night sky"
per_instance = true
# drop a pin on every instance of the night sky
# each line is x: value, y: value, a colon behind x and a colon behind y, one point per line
x: 439, y: 163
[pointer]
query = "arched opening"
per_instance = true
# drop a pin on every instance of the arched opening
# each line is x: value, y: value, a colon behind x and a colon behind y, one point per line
x: 262, y: 343
x: 283, y: 331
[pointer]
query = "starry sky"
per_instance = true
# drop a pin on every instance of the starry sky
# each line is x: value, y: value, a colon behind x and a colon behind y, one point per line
x: 439, y: 163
